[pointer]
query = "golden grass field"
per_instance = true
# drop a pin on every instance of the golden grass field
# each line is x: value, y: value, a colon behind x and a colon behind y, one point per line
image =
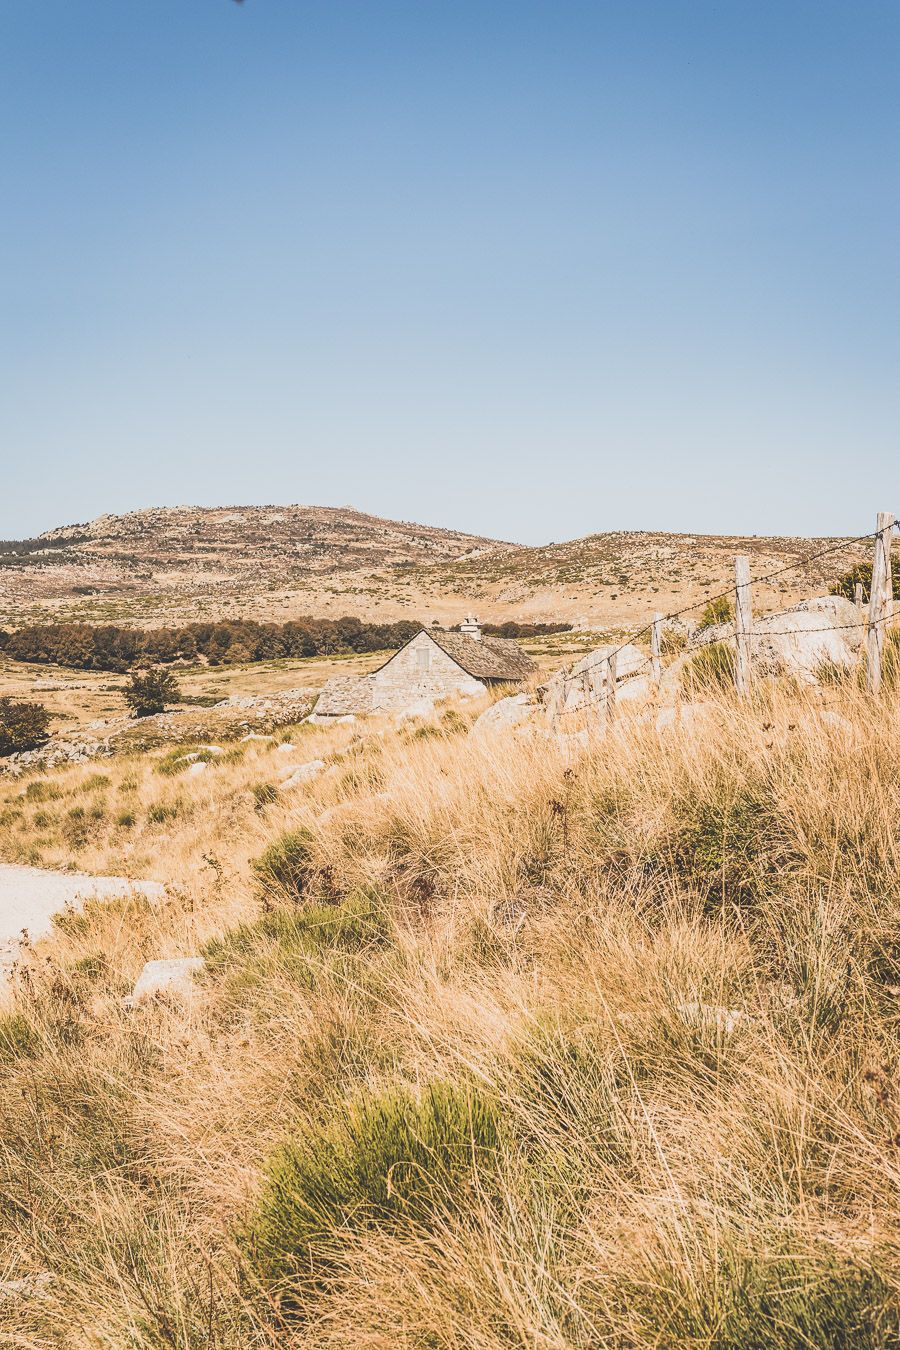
x: 462, y: 1072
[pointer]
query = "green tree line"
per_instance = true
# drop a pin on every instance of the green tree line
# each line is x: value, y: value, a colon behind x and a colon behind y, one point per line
x: 85, y: 646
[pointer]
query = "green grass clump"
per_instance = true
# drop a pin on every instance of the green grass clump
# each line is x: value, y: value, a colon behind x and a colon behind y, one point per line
x: 42, y: 791
x: 710, y: 667
x: 782, y: 1301
x: 162, y: 813
x: 264, y: 794
x: 284, y: 868
x: 287, y: 934
x: 133, y: 909
x: 389, y: 1161
x: 730, y: 843
x: 18, y: 1038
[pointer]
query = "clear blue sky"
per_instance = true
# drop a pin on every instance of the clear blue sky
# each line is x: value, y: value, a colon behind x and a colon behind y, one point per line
x: 527, y: 269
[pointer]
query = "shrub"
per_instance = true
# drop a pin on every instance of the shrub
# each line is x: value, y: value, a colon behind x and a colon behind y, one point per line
x: 151, y: 693
x: 284, y: 868
x: 388, y: 1162
x: 862, y: 572
x: 23, y: 725
x: 719, y: 610
x: 710, y: 667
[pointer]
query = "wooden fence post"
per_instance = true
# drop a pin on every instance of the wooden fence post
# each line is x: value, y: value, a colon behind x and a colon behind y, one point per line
x: 857, y: 595
x: 743, y: 624
x: 878, y: 599
x: 611, y: 683
x: 655, y: 648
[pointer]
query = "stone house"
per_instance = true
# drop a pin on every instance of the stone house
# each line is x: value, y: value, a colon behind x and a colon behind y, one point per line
x: 432, y: 665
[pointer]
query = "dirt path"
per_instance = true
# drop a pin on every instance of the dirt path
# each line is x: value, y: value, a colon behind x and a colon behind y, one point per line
x: 30, y: 896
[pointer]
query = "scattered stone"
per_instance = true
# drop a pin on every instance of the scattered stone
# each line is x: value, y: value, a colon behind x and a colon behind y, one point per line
x: 725, y: 1020
x: 255, y: 736
x: 826, y: 631
x: 175, y: 976
x: 303, y: 773
x: 285, y: 748
x: 199, y: 767
x: 26, y: 1286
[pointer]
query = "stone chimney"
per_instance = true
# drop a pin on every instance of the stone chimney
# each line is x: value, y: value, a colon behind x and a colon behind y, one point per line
x: 472, y: 628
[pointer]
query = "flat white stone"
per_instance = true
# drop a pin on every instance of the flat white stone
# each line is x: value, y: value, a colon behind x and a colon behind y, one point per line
x: 175, y: 976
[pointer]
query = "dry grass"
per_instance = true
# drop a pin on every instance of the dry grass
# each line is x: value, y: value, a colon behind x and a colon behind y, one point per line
x: 451, y: 1085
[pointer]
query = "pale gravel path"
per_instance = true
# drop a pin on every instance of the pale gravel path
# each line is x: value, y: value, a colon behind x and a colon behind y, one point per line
x: 30, y: 896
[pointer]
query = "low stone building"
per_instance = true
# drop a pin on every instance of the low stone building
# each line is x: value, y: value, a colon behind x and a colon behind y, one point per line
x: 432, y: 665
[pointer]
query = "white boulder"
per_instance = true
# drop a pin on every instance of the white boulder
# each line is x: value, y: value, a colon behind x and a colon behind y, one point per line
x: 172, y: 977
x: 302, y: 773
x: 506, y: 712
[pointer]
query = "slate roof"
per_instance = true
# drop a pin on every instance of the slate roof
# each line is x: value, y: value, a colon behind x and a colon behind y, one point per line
x: 492, y: 658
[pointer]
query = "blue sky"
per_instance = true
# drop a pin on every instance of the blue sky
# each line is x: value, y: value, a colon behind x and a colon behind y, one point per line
x: 528, y: 269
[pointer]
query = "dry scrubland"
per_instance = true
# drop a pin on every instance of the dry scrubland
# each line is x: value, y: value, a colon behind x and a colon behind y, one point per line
x: 441, y: 1085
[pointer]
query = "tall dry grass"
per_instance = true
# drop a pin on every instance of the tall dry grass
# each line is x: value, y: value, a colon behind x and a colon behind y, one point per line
x: 504, y: 1043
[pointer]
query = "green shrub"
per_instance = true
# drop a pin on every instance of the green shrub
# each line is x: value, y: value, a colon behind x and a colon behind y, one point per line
x: 125, y: 820
x: 389, y: 1162
x: 151, y: 693
x: 719, y: 610
x: 94, y: 782
x: 710, y: 667
x: 23, y: 725
x: 284, y: 869
x: 862, y: 572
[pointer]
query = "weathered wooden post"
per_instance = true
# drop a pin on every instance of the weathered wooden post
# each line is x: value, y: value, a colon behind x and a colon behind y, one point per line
x: 857, y: 595
x: 743, y: 624
x: 882, y: 587
x: 611, y: 663
x: 655, y: 649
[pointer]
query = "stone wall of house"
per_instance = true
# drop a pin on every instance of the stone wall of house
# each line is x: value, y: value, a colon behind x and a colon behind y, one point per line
x: 402, y: 681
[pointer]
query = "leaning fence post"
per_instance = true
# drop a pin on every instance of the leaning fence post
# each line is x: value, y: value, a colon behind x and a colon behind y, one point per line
x: 655, y: 649
x: 743, y: 624
x: 878, y: 609
x: 857, y: 595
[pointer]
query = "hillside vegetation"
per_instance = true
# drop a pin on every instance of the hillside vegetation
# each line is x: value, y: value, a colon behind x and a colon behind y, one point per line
x: 500, y: 1044
x: 177, y: 566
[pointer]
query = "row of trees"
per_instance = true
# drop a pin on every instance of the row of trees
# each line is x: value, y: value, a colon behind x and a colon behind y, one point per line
x: 86, y: 646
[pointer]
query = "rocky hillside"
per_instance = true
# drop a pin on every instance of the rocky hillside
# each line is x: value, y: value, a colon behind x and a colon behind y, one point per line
x: 183, y: 563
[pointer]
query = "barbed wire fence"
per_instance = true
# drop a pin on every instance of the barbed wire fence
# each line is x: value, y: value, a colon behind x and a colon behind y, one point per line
x: 596, y: 684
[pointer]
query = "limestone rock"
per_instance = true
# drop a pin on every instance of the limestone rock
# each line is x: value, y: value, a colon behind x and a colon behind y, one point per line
x: 724, y: 1020
x: 200, y: 766
x: 172, y: 977
x: 506, y: 712
x: 302, y: 773
x: 824, y: 631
